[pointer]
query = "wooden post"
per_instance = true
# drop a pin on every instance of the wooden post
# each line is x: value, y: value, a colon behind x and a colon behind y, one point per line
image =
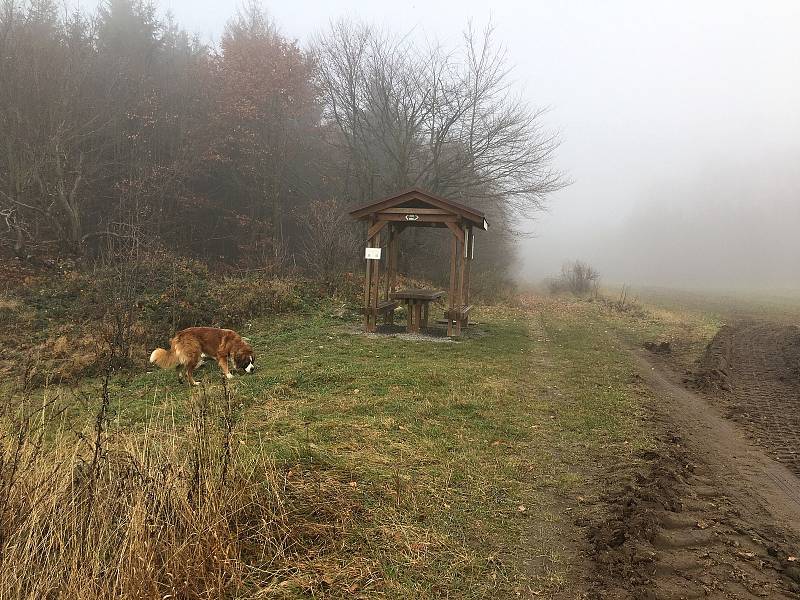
x: 417, y: 315
x: 372, y: 278
x: 376, y: 284
x: 469, y: 253
x: 367, y: 287
x: 462, y: 276
x: 391, y: 270
x: 389, y: 264
x: 452, y: 294
x: 456, y: 278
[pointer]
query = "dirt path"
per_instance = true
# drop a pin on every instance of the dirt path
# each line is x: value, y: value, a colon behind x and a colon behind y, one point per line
x: 707, y: 515
x: 746, y: 472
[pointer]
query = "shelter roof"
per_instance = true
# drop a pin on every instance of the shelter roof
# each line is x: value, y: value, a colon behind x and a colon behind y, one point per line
x: 416, y: 198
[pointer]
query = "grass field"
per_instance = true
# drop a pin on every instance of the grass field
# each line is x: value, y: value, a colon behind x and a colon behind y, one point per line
x: 449, y: 468
x: 382, y: 466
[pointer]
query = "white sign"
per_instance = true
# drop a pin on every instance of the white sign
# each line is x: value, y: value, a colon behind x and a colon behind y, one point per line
x: 372, y: 254
x: 412, y: 217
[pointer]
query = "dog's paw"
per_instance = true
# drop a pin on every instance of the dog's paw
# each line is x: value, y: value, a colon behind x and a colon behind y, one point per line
x: 195, y: 383
x: 229, y: 375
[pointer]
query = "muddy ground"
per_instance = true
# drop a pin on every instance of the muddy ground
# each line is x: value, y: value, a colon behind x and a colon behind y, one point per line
x: 675, y: 532
x: 714, y: 512
x: 751, y: 371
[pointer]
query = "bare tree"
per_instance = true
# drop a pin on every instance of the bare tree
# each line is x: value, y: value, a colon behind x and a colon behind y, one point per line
x: 446, y: 121
x: 45, y: 122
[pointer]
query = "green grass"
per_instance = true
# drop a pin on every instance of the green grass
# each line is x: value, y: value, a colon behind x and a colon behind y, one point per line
x: 469, y: 460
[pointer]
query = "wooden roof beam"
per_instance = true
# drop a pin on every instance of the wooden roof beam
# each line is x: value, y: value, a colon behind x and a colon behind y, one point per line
x: 457, y: 231
x: 375, y: 229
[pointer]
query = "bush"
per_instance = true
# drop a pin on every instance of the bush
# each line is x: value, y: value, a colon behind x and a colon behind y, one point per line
x: 185, y: 294
x: 73, y: 320
x: 576, y: 277
x: 330, y: 243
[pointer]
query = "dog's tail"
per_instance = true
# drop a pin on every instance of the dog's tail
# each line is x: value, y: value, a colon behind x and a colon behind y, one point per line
x: 164, y: 358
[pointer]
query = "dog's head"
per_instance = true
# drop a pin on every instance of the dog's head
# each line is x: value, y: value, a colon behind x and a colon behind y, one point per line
x: 244, y: 358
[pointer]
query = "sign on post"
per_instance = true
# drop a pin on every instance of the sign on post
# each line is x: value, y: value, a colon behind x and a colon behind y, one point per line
x: 372, y: 254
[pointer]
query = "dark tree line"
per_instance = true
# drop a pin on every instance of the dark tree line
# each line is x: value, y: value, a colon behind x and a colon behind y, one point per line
x: 119, y: 123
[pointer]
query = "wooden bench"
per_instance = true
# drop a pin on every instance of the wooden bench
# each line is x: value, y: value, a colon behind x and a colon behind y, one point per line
x: 458, y: 314
x: 385, y: 308
x: 457, y: 318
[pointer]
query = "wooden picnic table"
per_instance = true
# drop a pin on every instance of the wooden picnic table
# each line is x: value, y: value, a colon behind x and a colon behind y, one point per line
x: 417, y: 303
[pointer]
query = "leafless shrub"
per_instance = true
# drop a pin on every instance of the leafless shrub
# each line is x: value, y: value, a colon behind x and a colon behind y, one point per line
x: 625, y: 303
x: 329, y: 241
x: 576, y: 277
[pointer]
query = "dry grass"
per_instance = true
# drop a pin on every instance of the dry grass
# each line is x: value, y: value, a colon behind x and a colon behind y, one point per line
x: 171, y: 512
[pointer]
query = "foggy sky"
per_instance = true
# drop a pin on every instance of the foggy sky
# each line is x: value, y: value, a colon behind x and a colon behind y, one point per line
x: 680, y: 125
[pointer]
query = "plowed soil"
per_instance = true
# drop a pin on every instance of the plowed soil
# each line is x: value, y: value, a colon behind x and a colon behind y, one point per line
x: 751, y: 371
x: 708, y: 514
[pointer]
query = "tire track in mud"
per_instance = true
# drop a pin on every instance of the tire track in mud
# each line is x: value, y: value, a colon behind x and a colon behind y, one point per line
x: 706, y: 515
x: 723, y: 445
x: 751, y: 370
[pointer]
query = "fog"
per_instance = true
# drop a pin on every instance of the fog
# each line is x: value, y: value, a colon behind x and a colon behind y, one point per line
x: 682, y: 135
x: 727, y: 226
x: 679, y: 121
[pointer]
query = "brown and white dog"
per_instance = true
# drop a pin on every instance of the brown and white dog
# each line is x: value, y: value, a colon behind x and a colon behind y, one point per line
x: 189, y: 346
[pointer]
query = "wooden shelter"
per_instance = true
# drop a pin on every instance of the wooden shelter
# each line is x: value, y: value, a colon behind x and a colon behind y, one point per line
x: 415, y: 208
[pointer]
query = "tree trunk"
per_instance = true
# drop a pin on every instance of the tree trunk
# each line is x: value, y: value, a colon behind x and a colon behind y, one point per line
x: 68, y: 203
